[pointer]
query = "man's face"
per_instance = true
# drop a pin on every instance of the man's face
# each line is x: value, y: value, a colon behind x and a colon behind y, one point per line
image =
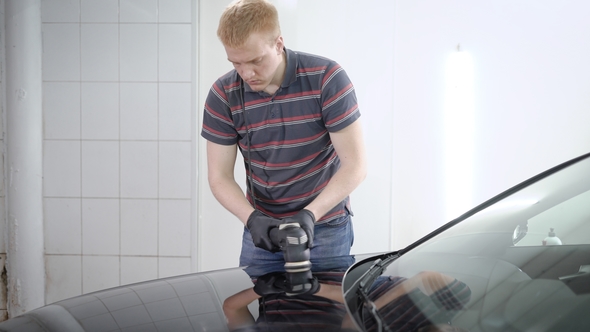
x: 257, y: 61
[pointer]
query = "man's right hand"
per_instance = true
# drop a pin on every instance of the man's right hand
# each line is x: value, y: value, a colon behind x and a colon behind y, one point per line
x: 259, y: 225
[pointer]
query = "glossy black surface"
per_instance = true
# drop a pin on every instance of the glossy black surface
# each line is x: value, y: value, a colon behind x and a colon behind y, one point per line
x: 518, y: 262
x: 192, y: 302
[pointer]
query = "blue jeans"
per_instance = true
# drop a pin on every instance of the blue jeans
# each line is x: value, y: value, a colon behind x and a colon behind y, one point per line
x: 332, y: 239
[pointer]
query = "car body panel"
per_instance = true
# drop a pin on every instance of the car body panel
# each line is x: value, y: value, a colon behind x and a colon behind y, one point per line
x: 192, y: 302
x: 184, y: 303
x: 517, y: 262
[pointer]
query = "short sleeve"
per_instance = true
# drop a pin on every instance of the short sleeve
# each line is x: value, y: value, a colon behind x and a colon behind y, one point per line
x: 339, y: 103
x: 218, y: 125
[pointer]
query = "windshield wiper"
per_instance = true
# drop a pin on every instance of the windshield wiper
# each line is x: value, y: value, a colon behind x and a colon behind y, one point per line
x: 372, y: 310
x: 376, y: 270
x: 363, y: 286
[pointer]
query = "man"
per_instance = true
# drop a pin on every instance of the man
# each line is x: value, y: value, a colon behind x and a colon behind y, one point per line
x: 294, y: 117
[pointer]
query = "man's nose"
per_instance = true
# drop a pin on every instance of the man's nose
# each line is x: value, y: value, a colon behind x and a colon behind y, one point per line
x: 247, y: 73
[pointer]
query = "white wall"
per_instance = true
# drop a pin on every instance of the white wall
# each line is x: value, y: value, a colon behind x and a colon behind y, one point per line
x: 219, y: 231
x: 531, y: 100
x: 530, y: 103
x: 119, y: 142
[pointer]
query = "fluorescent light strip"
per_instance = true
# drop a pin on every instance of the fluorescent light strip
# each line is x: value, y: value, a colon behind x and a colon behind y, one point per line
x: 459, y: 134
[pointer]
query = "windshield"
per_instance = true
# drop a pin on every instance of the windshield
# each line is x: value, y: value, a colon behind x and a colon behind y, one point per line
x: 520, y: 264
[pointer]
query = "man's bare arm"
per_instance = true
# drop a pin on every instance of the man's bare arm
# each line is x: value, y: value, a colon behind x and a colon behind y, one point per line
x: 236, y: 310
x: 221, y: 160
x: 350, y: 147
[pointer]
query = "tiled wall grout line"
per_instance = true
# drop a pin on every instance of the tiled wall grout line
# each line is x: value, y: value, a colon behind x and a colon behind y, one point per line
x: 120, y: 176
x: 105, y: 195
x: 81, y: 151
x: 158, y: 135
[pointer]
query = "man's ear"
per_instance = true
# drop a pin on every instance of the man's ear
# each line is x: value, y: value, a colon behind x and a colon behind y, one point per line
x: 280, y: 44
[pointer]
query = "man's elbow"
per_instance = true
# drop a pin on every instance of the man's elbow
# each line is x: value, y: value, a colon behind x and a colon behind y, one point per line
x: 216, y: 180
x: 212, y: 178
x: 359, y: 171
x: 363, y: 171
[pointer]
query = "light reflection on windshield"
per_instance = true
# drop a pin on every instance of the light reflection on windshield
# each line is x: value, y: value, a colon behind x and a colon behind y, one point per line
x: 524, y: 261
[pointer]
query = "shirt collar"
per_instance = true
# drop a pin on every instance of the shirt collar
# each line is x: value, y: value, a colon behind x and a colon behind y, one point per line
x: 290, y: 69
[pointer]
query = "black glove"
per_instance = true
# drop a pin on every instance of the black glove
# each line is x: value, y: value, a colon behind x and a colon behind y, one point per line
x: 315, y: 286
x: 271, y: 283
x: 302, y: 287
x: 260, y: 225
x: 279, y: 283
x: 306, y: 220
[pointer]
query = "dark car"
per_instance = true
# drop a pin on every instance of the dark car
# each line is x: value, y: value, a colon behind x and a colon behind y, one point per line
x: 518, y: 262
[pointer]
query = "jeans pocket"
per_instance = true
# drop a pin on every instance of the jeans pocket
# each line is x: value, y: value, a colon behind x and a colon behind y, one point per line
x: 333, y: 239
x: 338, y: 222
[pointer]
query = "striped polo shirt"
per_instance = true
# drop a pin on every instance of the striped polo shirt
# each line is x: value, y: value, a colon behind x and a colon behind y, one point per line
x: 305, y: 312
x: 292, y: 156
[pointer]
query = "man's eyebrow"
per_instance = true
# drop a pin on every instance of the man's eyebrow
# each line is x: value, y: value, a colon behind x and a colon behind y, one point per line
x: 252, y: 60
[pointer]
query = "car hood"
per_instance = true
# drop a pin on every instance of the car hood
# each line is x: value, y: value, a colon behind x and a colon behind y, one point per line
x: 193, y: 302
x: 495, y: 268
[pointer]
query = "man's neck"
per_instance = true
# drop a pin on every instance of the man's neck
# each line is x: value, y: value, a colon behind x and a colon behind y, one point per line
x: 276, y: 82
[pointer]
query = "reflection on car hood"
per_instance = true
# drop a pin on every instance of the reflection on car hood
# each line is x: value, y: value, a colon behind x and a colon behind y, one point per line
x: 193, y: 302
x: 498, y: 267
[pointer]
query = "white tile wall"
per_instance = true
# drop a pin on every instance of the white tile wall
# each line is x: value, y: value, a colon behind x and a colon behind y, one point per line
x: 65, y: 275
x: 61, y: 52
x: 174, y: 228
x: 60, y: 11
x: 119, y: 142
x: 175, y: 169
x: 100, y: 226
x: 139, y: 227
x: 139, y: 169
x: 63, y: 220
x: 100, y: 169
x: 137, y: 269
x: 100, y: 272
x: 139, y: 52
x: 103, y: 11
x: 100, y: 52
x: 175, y: 55
x: 173, y: 266
x: 100, y: 111
x: 61, y: 104
x: 139, y: 11
x: 139, y: 111
x: 175, y: 111
x: 61, y: 168
x: 175, y: 11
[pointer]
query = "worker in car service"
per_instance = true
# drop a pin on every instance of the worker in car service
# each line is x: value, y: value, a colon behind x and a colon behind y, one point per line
x: 295, y: 119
